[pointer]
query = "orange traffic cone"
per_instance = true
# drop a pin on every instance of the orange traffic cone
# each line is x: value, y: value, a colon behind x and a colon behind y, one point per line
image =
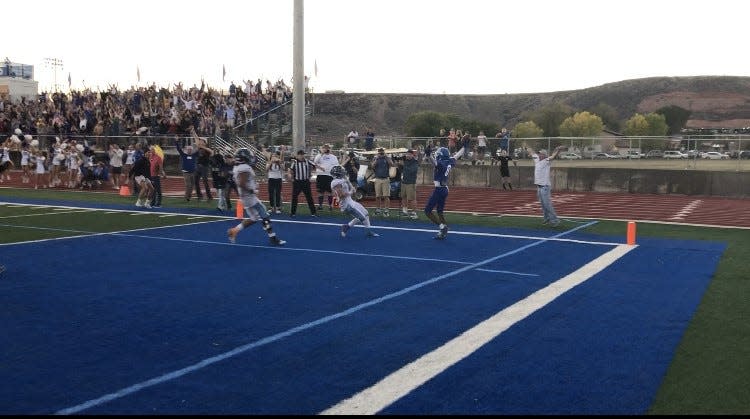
x: 124, y: 190
x: 240, y: 210
x: 631, y: 233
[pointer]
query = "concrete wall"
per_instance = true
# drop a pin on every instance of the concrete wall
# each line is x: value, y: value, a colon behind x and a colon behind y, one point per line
x: 734, y: 184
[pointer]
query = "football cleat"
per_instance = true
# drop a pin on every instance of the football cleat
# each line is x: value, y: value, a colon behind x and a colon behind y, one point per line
x: 344, y: 229
x: 372, y: 234
x: 232, y: 235
x: 277, y: 241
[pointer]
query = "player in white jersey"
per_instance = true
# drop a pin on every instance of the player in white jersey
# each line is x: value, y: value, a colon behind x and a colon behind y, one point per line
x: 244, y: 177
x: 344, y: 190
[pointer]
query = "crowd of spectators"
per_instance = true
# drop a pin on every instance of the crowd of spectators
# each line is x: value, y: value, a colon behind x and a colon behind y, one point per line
x: 148, y: 110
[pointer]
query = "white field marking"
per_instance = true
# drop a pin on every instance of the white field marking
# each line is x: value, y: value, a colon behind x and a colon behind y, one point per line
x: 625, y: 220
x: 289, y: 332
x: 426, y: 230
x: 400, y: 383
x: 687, y: 210
x: 42, y: 215
x: 83, y: 234
x: 506, y: 272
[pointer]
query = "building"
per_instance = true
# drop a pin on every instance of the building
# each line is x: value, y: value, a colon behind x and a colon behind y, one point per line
x: 17, y: 81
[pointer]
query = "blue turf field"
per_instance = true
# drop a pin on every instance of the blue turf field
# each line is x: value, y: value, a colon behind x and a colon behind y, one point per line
x: 177, y: 321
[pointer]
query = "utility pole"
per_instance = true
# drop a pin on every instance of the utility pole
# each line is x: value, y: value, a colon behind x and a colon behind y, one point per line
x: 54, y: 63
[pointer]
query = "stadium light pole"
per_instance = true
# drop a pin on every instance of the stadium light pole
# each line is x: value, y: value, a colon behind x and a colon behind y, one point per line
x: 54, y: 63
x: 298, y: 95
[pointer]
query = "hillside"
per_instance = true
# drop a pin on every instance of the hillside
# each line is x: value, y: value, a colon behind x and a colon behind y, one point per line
x: 715, y: 102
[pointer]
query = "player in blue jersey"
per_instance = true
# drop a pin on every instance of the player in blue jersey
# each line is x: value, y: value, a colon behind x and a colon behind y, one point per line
x: 247, y: 187
x: 343, y: 190
x: 443, y: 162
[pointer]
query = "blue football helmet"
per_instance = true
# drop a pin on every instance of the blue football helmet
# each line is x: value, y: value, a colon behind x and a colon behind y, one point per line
x: 442, y: 154
x: 243, y: 155
x: 338, y: 172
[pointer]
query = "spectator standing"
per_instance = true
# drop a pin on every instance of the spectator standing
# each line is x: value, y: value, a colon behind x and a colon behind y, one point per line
x: 452, y: 140
x: 343, y: 190
x: 369, y: 139
x: 128, y: 164
x: 481, y: 145
x: 443, y: 163
x: 275, y: 170
x: 410, y: 167
x: 466, y: 144
x: 504, y: 158
x: 353, y: 138
x: 220, y: 175
x: 187, y: 166
x: 115, y: 164
x: 504, y: 137
x: 141, y: 175
x: 300, y: 171
x: 324, y: 162
x: 244, y: 177
x: 156, y: 168
x: 542, y: 165
x: 381, y: 165
x: 351, y: 166
x: 202, y: 166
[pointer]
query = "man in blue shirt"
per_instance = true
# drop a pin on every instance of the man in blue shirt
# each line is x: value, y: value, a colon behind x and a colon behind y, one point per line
x: 443, y: 163
x: 381, y: 165
x: 187, y: 165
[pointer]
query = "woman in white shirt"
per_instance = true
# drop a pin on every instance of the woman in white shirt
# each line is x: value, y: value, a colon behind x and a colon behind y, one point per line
x: 275, y: 168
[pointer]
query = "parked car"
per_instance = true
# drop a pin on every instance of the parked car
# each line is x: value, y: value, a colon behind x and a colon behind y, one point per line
x: 745, y: 154
x: 598, y: 156
x: 567, y: 155
x: 693, y: 153
x: 674, y: 154
x: 715, y: 155
x: 655, y: 154
x: 634, y: 154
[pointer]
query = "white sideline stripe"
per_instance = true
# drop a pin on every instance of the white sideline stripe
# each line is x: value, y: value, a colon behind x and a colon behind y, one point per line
x: 289, y: 332
x: 400, y: 383
x: 41, y: 215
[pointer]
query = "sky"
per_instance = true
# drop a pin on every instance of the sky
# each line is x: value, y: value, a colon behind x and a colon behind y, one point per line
x: 376, y: 46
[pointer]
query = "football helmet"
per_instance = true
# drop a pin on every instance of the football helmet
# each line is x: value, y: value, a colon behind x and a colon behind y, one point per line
x: 442, y: 153
x: 338, y: 172
x: 243, y: 155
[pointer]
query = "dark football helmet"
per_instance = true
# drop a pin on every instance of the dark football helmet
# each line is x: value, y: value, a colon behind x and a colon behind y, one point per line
x: 243, y: 155
x: 338, y: 172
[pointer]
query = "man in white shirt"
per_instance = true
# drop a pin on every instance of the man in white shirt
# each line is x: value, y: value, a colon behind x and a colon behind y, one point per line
x: 324, y: 162
x: 353, y: 138
x: 542, y: 164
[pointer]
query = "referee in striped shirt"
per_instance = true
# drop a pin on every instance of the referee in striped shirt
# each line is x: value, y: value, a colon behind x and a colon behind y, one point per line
x: 300, y: 171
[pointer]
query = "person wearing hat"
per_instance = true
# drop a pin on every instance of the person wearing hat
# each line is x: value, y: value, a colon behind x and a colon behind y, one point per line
x: 351, y: 165
x: 324, y: 162
x: 299, y: 172
x: 542, y: 164
x: 409, y: 168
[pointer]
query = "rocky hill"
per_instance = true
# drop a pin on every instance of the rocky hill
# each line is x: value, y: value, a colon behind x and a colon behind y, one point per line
x: 715, y: 102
